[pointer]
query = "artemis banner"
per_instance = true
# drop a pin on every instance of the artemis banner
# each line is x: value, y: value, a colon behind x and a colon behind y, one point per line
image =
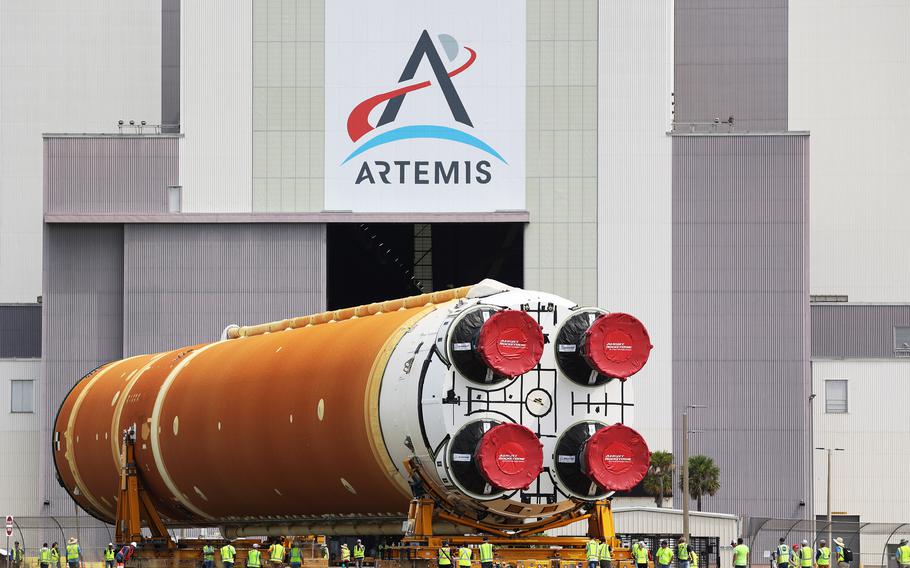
x: 425, y: 105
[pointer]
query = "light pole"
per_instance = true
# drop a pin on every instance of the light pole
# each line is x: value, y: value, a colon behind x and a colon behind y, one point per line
x: 829, y: 450
x: 685, y: 468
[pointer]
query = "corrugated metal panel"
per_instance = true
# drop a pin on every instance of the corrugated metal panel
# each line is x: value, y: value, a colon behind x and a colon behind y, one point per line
x: 856, y: 331
x: 20, y: 441
x: 185, y: 283
x: 216, y: 105
x: 20, y: 331
x: 741, y: 314
x: 170, y: 65
x: 633, y: 247
x: 83, y: 323
x: 109, y: 174
x: 731, y: 60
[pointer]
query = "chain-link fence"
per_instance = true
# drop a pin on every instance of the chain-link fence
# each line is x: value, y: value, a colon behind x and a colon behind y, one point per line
x: 873, y: 544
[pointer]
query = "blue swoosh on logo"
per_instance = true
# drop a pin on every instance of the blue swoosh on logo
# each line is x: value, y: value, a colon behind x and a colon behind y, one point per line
x: 425, y: 131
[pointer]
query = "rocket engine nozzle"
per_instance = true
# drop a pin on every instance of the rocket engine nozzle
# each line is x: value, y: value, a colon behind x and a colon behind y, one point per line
x: 593, y: 347
x: 490, y: 345
x: 488, y: 458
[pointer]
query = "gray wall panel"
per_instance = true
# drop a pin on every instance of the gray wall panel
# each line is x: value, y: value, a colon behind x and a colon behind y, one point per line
x: 185, y: 283
x: 170, y: 65
x: 731, y: 60
x: 20, y: 331
x: 741, y: 314
x: 856, y: 331
x: 108, y: 174
x: 83, y: 317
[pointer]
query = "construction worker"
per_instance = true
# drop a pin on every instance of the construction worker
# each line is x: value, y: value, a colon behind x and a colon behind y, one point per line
x: 841, y: 552
x: 295, y: 555
x: 345, y: 555
x: 55, y: 556
x: 325, y: 551
x: 823, y: 554
x: 592, y: 553
x: 44, y: 556
x: 486, y: 553
x: 445, y: 554
x: 782, y: 555
x: 693, y: 559
x: 805, y: 555
x: 902, y: 554
x: 73, y: 553
x: 254, y: 557
x: 740, y: 554
x: 664, y: 554
x: 228, y: 552
x: 641, y: 555
x: 606, y: 554
x: 16, y: 555
x: 109, y: 555
x: 682, y: 553
x: 464, y: 556
x: 276, y: 553
x: 359, y: 553
x: 208, y: 556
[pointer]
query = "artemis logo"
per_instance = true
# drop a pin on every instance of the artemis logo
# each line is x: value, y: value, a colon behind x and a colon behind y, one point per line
x: 417, y: 171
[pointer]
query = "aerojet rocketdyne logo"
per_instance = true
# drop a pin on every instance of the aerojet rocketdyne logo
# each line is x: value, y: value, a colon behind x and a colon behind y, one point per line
x: 367, y: 137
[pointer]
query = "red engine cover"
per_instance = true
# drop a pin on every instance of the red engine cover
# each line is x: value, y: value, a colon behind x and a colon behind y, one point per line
x: 510, y: 456
x: 510, y: 342
x: 616, y: 457
x: 617, y: 345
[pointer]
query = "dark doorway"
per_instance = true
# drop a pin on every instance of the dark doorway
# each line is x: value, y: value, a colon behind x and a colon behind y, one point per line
x: 381, y: 261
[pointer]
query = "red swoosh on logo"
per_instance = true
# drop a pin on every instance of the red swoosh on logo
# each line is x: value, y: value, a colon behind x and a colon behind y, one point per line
x: 358, y: 120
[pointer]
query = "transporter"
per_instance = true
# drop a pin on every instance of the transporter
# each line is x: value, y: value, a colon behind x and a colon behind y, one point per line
x: 485, y: 409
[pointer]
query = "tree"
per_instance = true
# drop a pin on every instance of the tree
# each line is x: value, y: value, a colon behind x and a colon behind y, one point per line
x: 659, y: 480
x: 704, y: 478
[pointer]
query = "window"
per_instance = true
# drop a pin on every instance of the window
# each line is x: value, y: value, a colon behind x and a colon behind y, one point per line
x: 23, y: 396
x: 836, y: 396
x: 902, y: 340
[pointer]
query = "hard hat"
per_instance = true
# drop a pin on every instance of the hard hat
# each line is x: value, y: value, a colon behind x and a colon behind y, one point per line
x: 110, y: 544
x: 805, y: 542
x: 255, y: 546
x: 133, y: 543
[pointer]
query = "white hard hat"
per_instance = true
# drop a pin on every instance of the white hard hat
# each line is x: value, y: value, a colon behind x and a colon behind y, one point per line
x: 805, y: 542
x: 110, y: 544
x: 133, y: 543
x: 255, y: 546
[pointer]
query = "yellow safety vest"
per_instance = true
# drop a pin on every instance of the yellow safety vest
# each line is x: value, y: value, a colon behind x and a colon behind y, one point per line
x: 682, y: 551
x: 664, y: 556
x: 17, y: 555
x: 254, y: 559
x: 591, y: 551
x: 805, y: 556
x: 486, y: 552
x: 296, y: 556
x: 464, y: 556
x: 276, y: 553
x: 904, y: 554
x: 45, y: 556
x: 72, y: 552
x: 740, y: 555
x: 605, y: 553
x: 227, y: 553
x: 109, y: 554
x: 641, y: 555
x: 358, y: 551
x: 445, y: 556
x: 208, y: 552
x: 345, y: 553
x: 824, y: 556
x: 783, y: 554
x: 694, y: 561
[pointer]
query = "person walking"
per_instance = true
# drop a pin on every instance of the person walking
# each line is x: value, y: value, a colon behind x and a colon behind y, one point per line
x: 228, y: 552
x: 641, y: 555
x: 782, y: 555
x: 464, y: 556
x: 902, y: 554
x: 823, y: 555
x: 682, y: 553
x: 44, y: 556
x: 740, y: 554
x: 295, y: 555
x: 55, y: 556
x: 359, y: 553
x: 592, y: 553
x: 73, y: 553
x: 606, y: 555
x: 208, y: 556
x: 486, y: 553
x: 276, y: 554
x: 843, y: 554
x: 254, y: 557
x: 109, y: 555
x: 16, y: 555
x: 664, y: 555
x: 345, y: 555
x: 693, y: 559
x: 806, y: 555
x: 445, y: 555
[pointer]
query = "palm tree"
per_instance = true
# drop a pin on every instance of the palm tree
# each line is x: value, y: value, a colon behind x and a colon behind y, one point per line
x: 659, y: 481
x: 704, y: 478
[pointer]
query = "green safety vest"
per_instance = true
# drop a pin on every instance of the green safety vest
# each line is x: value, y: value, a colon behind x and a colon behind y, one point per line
x: 445, y: 556
x: 591, y: 551
x: 840, y: 553
x: 72, y: 552
x: 17, y: 555
x: 664, y: 555
x: 805, y: 556
x: 325, y: 552
x: 358, y: 551
x: 740, y: 555
x: 345, y: 553
x: 227, y: 553
x: 824, y: 556
x: 694, y: 562
x: 605, y: 553
x: 641, y: 555
x: 904, y: 554
x: 208, y: 552
x: 109, y: 554
x: 45, y: 555
x: 464, y: 556
x: 682, y: 551
x: 254, y: 559
x: 276, y: 553
x: 783, y: 554
x: 486, y: 552
x: 55, y: 556
x: 296, y: 556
